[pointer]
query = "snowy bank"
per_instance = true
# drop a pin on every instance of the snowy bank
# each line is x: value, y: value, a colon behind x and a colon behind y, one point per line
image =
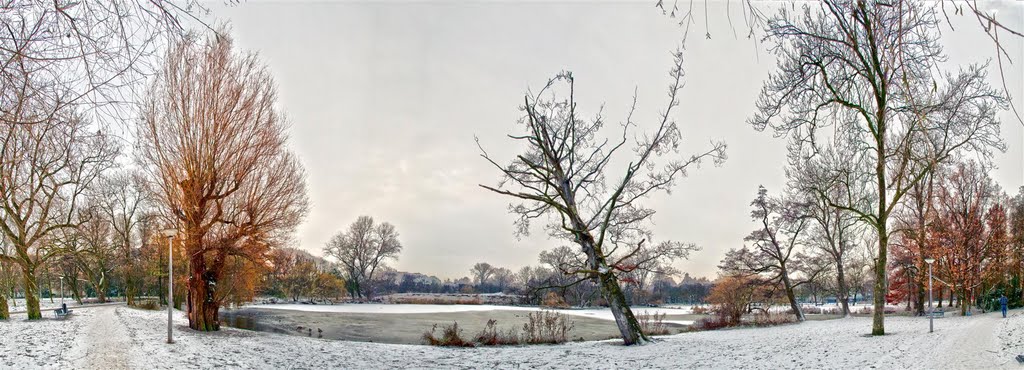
x: 981, y: 341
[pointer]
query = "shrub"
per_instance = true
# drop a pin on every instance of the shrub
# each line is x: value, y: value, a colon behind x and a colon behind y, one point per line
x: 437, y: 300
x: 490, y: 336
x: 730, y: 297
x: 700, y: 310
x: 651, y: 324
x: 546, y: 327
x: 147, y: 304
x: 553, y: 300
x: 712, y: 323
x: 773, y: 319
x: 451, y: 336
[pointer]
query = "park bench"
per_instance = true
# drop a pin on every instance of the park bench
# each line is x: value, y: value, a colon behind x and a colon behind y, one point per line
x: 938, y: 313
x: 62, y: 312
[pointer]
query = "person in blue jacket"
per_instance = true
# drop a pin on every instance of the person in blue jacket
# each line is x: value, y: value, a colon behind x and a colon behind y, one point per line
x: 1002, y: 304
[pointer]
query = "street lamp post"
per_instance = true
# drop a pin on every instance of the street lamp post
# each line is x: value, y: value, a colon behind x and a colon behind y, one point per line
x: 62, y: 291
x: 169, y: 233
x: 931, y: 313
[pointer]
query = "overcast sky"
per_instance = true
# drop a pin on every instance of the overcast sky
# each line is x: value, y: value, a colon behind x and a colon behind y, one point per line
x: 384, y: 99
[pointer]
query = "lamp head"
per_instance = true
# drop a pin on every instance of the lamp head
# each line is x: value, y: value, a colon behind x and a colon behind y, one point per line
x: 170, y: 233
x: 929, y: 260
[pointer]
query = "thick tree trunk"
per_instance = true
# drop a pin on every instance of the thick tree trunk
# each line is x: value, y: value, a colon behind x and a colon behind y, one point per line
x: 791, y: 295
x: 5, y: 312
x: 940, y: 296
x: 202, y: 308
x: 129, y: 294
x: 627, y: 323
x: 881, y: 284
x: 844, y: 291
x: 31, y: 294
x: 101, y: 294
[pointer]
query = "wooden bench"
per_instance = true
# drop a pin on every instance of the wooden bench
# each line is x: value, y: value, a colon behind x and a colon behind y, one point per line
x: 938, y: 313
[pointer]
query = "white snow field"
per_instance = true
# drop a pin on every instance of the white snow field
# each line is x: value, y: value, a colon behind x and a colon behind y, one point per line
x: 597, y: 313
x: 112, y: 337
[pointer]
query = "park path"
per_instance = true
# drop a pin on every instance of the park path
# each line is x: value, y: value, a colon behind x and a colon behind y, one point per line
x: 104, y: 341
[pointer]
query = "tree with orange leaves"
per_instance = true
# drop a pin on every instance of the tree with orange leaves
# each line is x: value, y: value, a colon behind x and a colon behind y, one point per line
x: 213, y: 146
x: 965, y: 244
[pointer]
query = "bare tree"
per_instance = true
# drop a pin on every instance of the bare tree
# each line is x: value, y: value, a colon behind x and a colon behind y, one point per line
x: 123, y: 202
x: 212, y: 146
x: 96, y: 52
x: 44, y: 170
x: 824, y: 179
x: 864, y: 70
x: 93, y: 248
x: 481, y: 272
x: 775, y: 255
x: 563, y: 174
x: 362, y: 250
x: 502, y: 278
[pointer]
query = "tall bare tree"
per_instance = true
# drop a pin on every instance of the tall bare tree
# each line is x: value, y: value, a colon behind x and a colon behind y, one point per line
x: 819, y: 181
x: 865, y: 71
x: 213, y: 148
x: 775, y: 255
x: 362, y: 251
x: 563, y: 174
x: 123, y: 202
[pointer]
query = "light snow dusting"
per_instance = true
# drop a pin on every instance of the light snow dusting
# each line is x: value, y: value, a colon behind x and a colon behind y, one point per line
x: 117, y: 336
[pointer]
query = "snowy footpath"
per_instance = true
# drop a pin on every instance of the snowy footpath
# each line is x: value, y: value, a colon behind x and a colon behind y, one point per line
x: 115, y: 337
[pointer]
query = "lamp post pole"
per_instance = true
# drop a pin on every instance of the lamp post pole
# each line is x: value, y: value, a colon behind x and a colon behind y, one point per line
x: 170, y: 283
x: 62, y: 291
x: 931, y: 313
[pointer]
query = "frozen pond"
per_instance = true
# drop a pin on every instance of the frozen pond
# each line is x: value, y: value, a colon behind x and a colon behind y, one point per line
x: 597, y: 313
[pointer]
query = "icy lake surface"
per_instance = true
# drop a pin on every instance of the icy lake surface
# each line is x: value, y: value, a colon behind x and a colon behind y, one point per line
x: 598, y: 313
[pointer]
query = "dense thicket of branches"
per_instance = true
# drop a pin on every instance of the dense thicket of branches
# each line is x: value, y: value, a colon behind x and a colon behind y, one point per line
x: 564, y: 175
x: 212, y: 146
x: 866, y: 71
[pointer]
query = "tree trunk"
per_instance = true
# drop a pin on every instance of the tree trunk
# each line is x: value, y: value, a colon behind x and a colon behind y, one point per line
x: 940, y: 296
x: 202, y: 309
x: 844, y: 291
x: 5, y: 312
x: 962, y: 302
x: 788, y: 285
x: 881, y: 284
x: 101, y: 294
x: 31, y: 294
x: 627, y: 323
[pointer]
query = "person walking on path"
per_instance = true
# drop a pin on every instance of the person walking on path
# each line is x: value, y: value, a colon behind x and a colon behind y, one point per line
x: 1002, y: 304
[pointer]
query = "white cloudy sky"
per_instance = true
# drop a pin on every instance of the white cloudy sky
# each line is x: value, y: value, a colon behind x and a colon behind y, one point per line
x: 384, y: 99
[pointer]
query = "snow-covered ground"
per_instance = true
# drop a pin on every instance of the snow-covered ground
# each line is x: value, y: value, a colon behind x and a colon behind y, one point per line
x: 18, y: 305
x: 597, y: 313
x: 117, y: 336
